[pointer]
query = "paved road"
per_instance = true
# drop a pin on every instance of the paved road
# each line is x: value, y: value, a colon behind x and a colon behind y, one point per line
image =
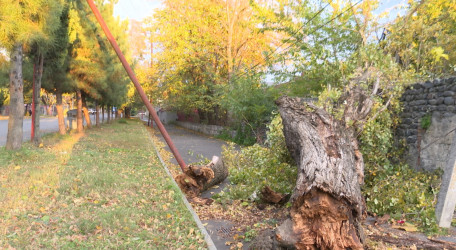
x: 47, y: 125
x: 193, y: 146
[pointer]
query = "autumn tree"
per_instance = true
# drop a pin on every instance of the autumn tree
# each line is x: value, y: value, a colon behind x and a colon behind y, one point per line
x: 98, y: 74
x: 23, y: 23
x: 195, y: 59
x: 423, y: 39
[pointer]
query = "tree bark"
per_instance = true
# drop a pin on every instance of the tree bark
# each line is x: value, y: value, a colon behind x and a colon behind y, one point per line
x: 60, y: 117
x: 102, y: 113
x: 38, y: 73
x: 49, y: 110
x: 86, y: 111
x: 97, y: 115
x: 79, y: 111
x: 327, y: 201
x: 196, y: 179
x: 16, y: 107
x: 109, y: 114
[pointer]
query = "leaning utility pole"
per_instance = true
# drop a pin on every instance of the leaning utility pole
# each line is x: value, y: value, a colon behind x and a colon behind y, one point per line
x: 138, y: 87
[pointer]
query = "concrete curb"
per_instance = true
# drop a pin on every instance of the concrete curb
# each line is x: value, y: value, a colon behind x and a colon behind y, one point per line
x: 207, y: 237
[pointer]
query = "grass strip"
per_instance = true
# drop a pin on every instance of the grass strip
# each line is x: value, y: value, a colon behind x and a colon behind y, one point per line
x: 106, y: 189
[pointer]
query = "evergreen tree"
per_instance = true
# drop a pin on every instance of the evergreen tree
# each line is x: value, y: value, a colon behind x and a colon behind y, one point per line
x: 23, y: 23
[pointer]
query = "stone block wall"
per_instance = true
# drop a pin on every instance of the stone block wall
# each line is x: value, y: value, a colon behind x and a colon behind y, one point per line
x: 212, y: 130
x: 428, y: 149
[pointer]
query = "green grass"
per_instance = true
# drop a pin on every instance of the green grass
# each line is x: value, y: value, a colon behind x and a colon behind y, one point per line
x: 106, y: 189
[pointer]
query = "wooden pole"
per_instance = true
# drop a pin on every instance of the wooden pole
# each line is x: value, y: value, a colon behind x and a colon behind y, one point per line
x: 138, y: 87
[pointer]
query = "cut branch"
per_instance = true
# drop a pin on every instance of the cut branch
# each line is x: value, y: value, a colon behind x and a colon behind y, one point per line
x: 196, y: 179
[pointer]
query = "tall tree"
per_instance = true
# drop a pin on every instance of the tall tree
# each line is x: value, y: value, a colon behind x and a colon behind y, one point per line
x: 314, y: 37
x: 56, y: 66
x: 23, y: 23
x: 93, y: 65
x: 194, y: 59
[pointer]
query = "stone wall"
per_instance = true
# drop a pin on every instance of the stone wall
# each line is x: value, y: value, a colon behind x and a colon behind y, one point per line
x: 212, y: 130
x: 428, y: 148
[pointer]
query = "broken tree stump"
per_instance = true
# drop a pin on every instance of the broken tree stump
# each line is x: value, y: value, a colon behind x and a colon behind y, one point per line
x: 327, y: 202
x: 196, y: 179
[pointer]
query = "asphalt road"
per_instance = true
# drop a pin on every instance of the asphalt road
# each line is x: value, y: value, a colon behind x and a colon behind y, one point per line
x: 47, y: 125
x: 193, y: 147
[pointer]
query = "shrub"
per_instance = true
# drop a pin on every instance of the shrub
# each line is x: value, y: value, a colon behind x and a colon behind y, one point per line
x: 253, y: 167
x: 391, y: 186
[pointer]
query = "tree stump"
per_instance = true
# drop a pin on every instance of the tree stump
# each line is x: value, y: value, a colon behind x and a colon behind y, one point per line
x: 327, y: 201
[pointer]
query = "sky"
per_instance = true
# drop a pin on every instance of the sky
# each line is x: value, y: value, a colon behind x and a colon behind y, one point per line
x: 136, y: 9
x: 139, y: 9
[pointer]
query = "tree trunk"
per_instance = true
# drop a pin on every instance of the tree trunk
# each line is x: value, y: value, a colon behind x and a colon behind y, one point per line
x: 61, y: 118
x: 196, y: 179
x: 102, y: 113
x: 49, y: 110
x: 16, y: 107
x: 109, y: 114
x: 327, y: 202
x: 86, y: 111
x: 79, y: 111
x: 38, y: 73
x: 97, y: 115
x: 127, y: 112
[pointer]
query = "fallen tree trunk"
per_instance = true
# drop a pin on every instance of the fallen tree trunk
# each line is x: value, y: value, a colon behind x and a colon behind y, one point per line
x: 327, y: 202
x: 196, y: 179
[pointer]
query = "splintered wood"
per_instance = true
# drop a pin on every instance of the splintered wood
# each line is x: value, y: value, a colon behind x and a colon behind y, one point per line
x: 196, y: 179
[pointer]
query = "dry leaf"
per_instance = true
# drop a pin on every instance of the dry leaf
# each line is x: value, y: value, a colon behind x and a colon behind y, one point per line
x: 406, y: 227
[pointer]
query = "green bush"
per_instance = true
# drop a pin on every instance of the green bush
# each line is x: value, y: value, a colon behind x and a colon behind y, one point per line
x: 254, y: 167
x: 404, y: 194
x: 249, y: 102
x: 392, y: 187
x: 243, y: 136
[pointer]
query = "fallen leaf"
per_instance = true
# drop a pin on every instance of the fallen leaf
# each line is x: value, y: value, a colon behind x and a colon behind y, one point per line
x: 406, y: 226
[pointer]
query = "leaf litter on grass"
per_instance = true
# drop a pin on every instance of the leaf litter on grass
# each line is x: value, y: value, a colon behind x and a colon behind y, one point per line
x: 107, y: 190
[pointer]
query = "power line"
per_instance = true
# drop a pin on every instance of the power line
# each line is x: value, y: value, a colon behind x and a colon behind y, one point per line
x: 300, y: 28
x: 288, y: 39
x: 312, y: 32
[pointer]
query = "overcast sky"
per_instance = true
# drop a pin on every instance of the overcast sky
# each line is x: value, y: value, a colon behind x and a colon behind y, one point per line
x: 139, y: 9
x: 136, y: 9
